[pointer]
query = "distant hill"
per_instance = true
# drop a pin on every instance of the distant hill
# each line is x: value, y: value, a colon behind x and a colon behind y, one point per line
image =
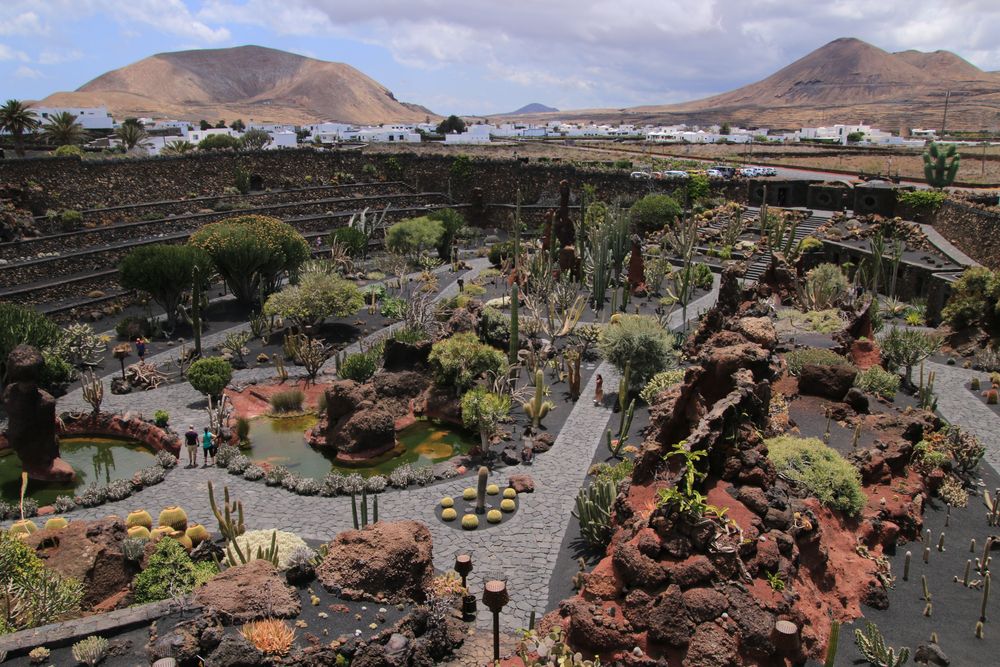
x: 242, y: 82
x: 534, y: 107
x: 845, y: 81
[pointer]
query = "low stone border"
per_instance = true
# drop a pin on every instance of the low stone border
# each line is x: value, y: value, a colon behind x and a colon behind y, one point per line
x: 120, y: 426
x: 65, y: 633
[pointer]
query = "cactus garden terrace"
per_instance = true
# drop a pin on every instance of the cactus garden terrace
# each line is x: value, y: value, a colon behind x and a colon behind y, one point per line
x: 656, y: 423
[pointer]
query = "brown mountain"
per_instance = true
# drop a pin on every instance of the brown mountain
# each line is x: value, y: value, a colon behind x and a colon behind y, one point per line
x: 845, y: 81
x: 242, y: 82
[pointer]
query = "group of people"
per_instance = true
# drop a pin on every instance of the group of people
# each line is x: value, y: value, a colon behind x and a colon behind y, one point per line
x: 208, y: 447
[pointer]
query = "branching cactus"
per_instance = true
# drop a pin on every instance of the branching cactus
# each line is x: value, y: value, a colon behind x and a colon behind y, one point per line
x: 872, y: 646
x: 93, y: 391
x: 91, y: 650
x: 538, y: 406
x: 941, y: 165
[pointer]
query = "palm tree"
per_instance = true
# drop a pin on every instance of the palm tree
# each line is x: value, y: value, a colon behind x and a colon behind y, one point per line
x: 178, y: 147
x: 17, y: 118
x: 63, y: 130
x: 131, y: 134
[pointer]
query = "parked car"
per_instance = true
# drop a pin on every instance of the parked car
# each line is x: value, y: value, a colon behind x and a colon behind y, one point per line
x: 767, y: 171
x: 641, y: 175
x: 723, y: 170
x: 714, y: 173
x: 674, y: 175
x: 750, y: 172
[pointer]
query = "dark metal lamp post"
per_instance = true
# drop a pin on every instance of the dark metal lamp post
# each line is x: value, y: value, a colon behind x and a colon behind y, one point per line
x: 495, y: 597
x: 463, y: 565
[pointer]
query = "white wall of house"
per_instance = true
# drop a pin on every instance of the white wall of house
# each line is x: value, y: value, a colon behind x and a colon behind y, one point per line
x: 196, y: 135
x: 283, y: 139
x: 90, y: 118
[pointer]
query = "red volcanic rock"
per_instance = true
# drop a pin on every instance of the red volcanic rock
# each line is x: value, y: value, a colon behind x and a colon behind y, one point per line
x: 754, y: 623
x: 638, y: 569
x: 248, y: 592
x: 768, y: 557
x: 704, y: 604
x: 521, y: 483
x: 344, y: 396
x: 386, y: 560
x: 691, y: 572
x: 88, y: 551
x: 759, y: 330
x: 831, y: 382
x: 120, y: 426
x: 594, y: 627
x: 668, y: 619
x: 755, y: 500
x: 712, y: 646
x: 404, y: 356
x: 865, y: 354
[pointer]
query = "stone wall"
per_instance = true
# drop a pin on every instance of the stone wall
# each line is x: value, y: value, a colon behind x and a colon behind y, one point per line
x: 973, y: 228
x: 59, y: 183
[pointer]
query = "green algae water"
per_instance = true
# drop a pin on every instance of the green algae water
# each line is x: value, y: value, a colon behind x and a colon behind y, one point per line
x: 100, y: 460
x: 281, y: 441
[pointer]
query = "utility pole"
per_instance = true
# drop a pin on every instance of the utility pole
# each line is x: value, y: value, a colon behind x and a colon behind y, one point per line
x: 944, y: 120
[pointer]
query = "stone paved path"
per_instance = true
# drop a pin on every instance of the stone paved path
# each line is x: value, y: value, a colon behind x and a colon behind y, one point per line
x: 524, y: 548
x: 959, y: 406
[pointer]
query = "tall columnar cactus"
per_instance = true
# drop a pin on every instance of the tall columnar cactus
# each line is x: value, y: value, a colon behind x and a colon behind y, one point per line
x: 571, y: 360
x: 196, y: 308
x: 831, y: 645
x: 593, y: 509
x: 228, y: 527
x: 481, y: 490
x: 941, y: 165
x: 623, y: 386
x: 358, y: 525
x: 514, y: 327
x: 93, y: 391
x: 538, y: 406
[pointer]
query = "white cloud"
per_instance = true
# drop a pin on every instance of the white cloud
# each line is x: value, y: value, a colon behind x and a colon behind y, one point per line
x: 25, y: 72
x: 58, y: 56
x: 23, y: 23
x: 7, y: 53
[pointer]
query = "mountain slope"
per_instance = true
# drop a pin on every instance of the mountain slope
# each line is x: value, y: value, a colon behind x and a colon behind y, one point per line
x: 534, y: 107
x: 245, y: 82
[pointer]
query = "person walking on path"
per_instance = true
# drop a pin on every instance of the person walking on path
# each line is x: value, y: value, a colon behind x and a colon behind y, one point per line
x: 191, y: 441
x: 140, y: 348
x: 208, y: 444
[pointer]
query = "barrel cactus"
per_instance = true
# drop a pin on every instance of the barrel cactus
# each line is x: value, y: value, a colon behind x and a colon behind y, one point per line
x: 509, y: 493
x: 23, y: 528
x: 508, y: 505
x: 197, y: 533
x: 492, y: 490
x: 469, y: 493
x: 139, y: 518
x: 470, y: 522
x: 494, y: 516
x: 447, y: 501
x: 56, y: 523
x: 449, y: 514
x: 175, y: 517
x: 139, y: 532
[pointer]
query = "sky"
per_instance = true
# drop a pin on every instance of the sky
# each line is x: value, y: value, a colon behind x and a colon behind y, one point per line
x: 485, y: 57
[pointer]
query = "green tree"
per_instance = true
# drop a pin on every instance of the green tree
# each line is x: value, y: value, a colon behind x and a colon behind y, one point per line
x: 16, y: 118
x: 351, y: 239
x: 204, y: 125
x: 317, y: 297
x: 178, y: 147
x: 654, y: 212
x: 214, y: 142
x: 974, y: 300
x: 238, y: 125
x: 210, y: 376
x: 252, y: 253
x: 457, y: 362
x: 451, y: 124
x: 19, y: 326
x: 63, y: 130
x: 254, y: 140
x: 411, y: 237
x: 725, y: 128
x: 163, y: 271
x: 221, y: 125
x: 642, y: 343
x: 855, y: 137
x: 938, y: 171
x: 483, y: 411
x: 131, y: 134
x: 451, y: 221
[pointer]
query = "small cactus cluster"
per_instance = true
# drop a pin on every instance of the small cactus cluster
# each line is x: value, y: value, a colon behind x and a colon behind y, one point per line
x: 91, y: 650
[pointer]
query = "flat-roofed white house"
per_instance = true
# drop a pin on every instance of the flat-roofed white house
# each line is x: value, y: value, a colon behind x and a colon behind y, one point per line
x: 194, y: 136
x: 90, y: 118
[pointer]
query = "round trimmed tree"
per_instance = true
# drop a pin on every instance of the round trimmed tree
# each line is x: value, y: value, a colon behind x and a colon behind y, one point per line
x: 210, y: 376
x: 165, y: 272
x: 641, y: 342
x: 252, y: 253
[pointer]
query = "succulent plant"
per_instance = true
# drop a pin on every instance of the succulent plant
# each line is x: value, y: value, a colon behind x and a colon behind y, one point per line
x: 139, y: 531
x: 159, y: 533
x: 447, y: 501
x: 133, y: 548
x: 197, y: 533
x: 449, y: 514
x: 276, y: 475
x: 290, y: 481
x: 308, y: 486
x: 333, y: 482
x: 139, y: 518
x: 353, y: 483
x: 492, y: 490
x: 29, y: 507
x: 23, y: 527
x: 494, y: 516
x: 253, y: 472
x: 165, y: 459
x: 974, y: 384
x: 91, y: 650
x: 376, y: 484
x: 62, y: 504
x: 119, y: 489
x: 401, y: 476
x: 225, y: 455
x: 509, y: 493
x: 151, y: 476
x: 238, y: 464
x: 470, y: 522
x: 92, y: 496
x: 56, y: 523
x: 468, y: 493
x: 38, y: 655
x: 182, y: 538
x: 174, y: 517
x: 508, y: 505
x: 423, y: 475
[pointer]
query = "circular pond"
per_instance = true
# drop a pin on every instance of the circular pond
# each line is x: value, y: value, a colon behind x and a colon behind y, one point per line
x: 281, y: 441
x: 100, y: 460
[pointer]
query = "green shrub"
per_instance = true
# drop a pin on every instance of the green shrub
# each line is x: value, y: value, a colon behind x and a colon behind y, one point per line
x: 68, y: 150
x: 20, y: 325
x: 974, y: 300
x: 451, y: 221
x: 412, y: 237
x: 316, y: 297
x: 409, y: 335
x: 824, y: 286
x: 654, y: 212
x: 642, y: 342
x: 796, y: 359
x: 169, y: 572
x: 820, y: 469
x: 929, y: 200
x: 353, y: 240
x: 392, y: 307
x: 287, y: 401
x: 360, y: 367
x: 659, y: 382
x: 70, y: 220
x: 161, y: 418
x: 56, y: 373
x: 131, y: 327
x: 613, y: 473
x: 820, y: 321
x: 494, y: 328
x: 33, y: 595
x: 252, y: 253
x: 701, y: 276
x: 905, y: 348
x: 165, y: 272
x: 216, y: 142
x: 876, y: 380
x: 210, y: 376
x: 458, y: 361
x: 500, y: 252
x: 698, y: 187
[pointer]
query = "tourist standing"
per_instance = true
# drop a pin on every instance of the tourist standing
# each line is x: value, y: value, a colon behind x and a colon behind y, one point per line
x: 208, y: 444
x: 140, y: 348
x: 191, y: 441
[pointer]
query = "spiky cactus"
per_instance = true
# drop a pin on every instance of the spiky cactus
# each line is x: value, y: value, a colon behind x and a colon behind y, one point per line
x: 872, y: 646
x: 938, y: 171
x: 593, y: 509
x: 358, y: 525
x: 481, y: 490
x: 91, y: 650
x: 93, y: 391
x: 228, y: 527
x: 571, y: 361
x: 538, y: 407
x: 514, y: 327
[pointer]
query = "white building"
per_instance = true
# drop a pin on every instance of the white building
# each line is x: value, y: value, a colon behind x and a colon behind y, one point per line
x: 194, y: 136
x: 91, y: 118
x: 283, y: 139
